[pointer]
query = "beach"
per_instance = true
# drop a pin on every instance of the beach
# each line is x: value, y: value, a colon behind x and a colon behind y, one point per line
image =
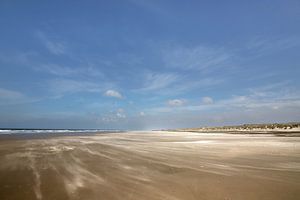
x: 150, y: 165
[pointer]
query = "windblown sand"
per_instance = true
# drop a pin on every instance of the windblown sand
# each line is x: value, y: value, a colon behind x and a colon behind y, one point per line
x: 151, y: 165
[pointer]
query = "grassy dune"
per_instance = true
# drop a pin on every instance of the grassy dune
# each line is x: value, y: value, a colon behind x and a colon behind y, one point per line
x: 276, y: 128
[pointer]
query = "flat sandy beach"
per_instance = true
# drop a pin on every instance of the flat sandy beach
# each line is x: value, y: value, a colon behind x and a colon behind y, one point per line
x: 150, y: 165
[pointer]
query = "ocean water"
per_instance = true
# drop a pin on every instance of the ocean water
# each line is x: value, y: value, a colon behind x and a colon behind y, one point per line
x: 48, y: 131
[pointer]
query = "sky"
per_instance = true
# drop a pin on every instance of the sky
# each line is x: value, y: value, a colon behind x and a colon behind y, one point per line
x: 148, y: 64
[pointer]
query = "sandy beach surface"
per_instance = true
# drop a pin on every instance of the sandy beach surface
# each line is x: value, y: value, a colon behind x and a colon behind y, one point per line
x: 150, y: 165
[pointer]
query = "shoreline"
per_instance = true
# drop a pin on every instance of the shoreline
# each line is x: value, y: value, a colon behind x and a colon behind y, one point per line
x: 43, y: 136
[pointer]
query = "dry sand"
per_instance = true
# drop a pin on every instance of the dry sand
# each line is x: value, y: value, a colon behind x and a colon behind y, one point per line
x: 150, y: 165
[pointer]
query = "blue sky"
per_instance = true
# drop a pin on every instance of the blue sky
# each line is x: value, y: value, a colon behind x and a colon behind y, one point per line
x: 147, y: 64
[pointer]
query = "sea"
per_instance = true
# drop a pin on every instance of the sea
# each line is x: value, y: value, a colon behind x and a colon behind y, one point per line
x: 55, y: 131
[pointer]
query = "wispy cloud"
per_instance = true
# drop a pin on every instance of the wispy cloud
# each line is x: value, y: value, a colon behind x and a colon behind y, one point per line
x: 187, y: 85
x: 167, y: 84
x: 13, y: 97
x: 261, y: 46
x: 53, y: 46
x: 158, y: 81
x: 57, y: 69
x: 270, y: 97
x: 10, y: 94
x: 60, y: 70
x: 113, y: 93
x: 208, y: 58
x: 61, y: 87
x: 151, y: 6
x: 20, y: 58
x: 196, y: 58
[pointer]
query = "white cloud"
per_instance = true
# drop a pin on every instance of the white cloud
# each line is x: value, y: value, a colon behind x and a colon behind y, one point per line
x: 207, y: 100
x: 113, y: 93
x: 142, y: 113
x: 175, y: 102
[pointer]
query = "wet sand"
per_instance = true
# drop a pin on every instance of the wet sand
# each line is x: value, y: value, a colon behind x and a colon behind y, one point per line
x: 150, y: 165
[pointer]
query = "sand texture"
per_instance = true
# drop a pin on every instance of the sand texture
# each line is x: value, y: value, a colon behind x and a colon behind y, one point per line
x: 150, y: 165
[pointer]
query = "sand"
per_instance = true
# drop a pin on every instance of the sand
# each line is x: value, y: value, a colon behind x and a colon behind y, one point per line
x: 150, y: 165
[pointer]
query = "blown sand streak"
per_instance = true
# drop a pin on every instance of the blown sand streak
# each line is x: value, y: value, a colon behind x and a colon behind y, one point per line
x: 151, y: 165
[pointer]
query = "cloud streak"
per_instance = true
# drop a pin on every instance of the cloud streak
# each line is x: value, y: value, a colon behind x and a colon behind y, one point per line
x: 196, y: 58
x: 264, y: 46
x: 10, y: 94
x: 158, y: 81
x: 62, y: 87
x: 60, y: 70
x: 13, y: 97
x: 54, y: 47
x: 272, y: 97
